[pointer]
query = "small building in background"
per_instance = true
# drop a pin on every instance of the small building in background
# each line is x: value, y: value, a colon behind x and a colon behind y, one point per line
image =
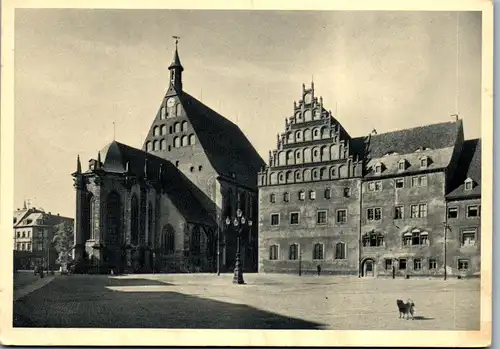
x: 33, y: 230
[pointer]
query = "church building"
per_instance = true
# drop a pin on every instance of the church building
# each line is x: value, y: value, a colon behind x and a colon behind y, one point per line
x: 163, y: 207
x: 392, y: 204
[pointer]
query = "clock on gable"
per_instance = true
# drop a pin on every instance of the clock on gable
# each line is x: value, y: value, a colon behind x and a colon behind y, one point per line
x: 170, y: 102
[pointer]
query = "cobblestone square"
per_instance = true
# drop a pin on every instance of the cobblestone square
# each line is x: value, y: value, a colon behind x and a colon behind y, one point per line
x: 264, y: 302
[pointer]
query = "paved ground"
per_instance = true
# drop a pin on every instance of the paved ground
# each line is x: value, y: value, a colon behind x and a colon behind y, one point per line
x: 23, y: 278
x: 265, y: 302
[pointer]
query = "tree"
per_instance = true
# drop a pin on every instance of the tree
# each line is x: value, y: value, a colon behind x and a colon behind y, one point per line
x: 63, y: 242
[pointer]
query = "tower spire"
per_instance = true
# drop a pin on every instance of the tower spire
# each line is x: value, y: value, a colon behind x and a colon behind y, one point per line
x: 78, y: 164
x: 176, y: 68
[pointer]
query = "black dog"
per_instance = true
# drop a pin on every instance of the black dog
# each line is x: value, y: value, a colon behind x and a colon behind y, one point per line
x: 407, y: 308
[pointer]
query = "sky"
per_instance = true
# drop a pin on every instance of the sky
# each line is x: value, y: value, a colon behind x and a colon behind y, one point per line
x: 78, y: 71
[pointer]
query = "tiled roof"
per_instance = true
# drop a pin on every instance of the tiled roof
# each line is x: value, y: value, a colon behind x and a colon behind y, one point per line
x: 435, y: 136
x: 32, y: 217
x: 469, y: 166
x: 179, y: 189
x: 225, y: 145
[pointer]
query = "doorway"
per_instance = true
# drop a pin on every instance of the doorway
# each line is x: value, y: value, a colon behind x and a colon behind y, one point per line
x: 368, y: 268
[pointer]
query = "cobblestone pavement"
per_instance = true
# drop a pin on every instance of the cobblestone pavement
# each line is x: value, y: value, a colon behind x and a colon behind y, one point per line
x: 265, y: 302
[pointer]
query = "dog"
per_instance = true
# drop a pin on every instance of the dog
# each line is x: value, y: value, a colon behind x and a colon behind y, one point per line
x: 407, y: 308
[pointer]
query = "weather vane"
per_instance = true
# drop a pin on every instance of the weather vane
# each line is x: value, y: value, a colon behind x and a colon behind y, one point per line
x: 176, y: 39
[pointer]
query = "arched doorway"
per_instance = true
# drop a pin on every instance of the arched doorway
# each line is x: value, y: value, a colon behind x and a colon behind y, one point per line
x: 113, y: 232
x: 368, y: 268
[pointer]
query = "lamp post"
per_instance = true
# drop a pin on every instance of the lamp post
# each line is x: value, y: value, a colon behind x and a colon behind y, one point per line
x: 238, y: 222
x: 218, y: 250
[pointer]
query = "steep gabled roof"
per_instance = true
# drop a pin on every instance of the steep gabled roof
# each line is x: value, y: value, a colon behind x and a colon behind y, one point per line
x: 225, y: 145
x: 179, y: 189
x: 435, y: 136
x: 469, y: 166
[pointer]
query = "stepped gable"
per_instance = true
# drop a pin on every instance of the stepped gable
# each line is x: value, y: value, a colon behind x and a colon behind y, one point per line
x: 225, y: 145
x: 469, y: 166
x: 179, y: 189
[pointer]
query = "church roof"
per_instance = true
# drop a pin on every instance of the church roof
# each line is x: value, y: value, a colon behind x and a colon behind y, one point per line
x: 180, y: 190
x: 226, y: 146
x: 434, y: 136
x: 469, y: 166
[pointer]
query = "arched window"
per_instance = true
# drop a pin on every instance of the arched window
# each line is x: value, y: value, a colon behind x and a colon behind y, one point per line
x: 163, y: 144
x: 373, y: 239
x: 289, y: 177
x: 149, y: 146
x: 298, y: 156
x: 328, y: 193
x: 325, y: 153
x: 184, y: 141
x: 273, y: 252
x: 323, y: 173
x: 316, y: 155
x: 134, y: 220
x: 168, y: 239
x: 333, y: 172
x: 307, y: 155
x: 340, y: 250
x: 156, y: 145
x: 178, y: 110
x: 307, y: 175
x: 297, y: 175
x: 162, y: 113
x: 273, y: 178
x: 156, y: 131
x: 163, y: 130
x: 315, y: 174
x: 184, y: 126
x: 290, y: 138
x: 307, y: 135
x: 192, y: 139
x: 177, y: 142
x: 316, y: 134
x: 177, y: 127
x: 307, y: 115
x: 298, y: 136
x: 289, y: 157
x: 281, y: 177
x: 318, y: 251
x: 293, y: 252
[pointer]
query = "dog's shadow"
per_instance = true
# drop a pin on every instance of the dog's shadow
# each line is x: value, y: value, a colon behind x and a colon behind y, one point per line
x: 422, y: 318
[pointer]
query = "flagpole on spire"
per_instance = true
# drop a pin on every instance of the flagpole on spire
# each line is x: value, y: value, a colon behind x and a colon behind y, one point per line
x: 114, y: 131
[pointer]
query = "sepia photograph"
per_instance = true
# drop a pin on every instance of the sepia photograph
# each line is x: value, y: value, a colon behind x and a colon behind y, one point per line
x: 314, y: 175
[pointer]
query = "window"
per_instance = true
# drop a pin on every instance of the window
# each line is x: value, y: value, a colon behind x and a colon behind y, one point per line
x: 200, y: 168
x: 347, y: 192
x: 373, y: 239
x: 375, y: 186
x: 321, y: 217
x: 402, y: 264
x: 378, y: 168
x: 294, y: 218
x: 463, y: 264
x: 402, y: 165
x: 453, y: 212
x: 416, y: 238
x: 273, y: 252
x: 318, y: 251
x: 399, y: 212
x: 312, y: 195
x: 275, y: 219
x: 374, y: 214
x: 432, y: 264
x: 418, y: 211
x: 340, y: 250
x: 24, y: 234
x: 341, y: 216
x: 192, y: 139
x: 293, y: 252
x: 469, y: 184
x: 473, y: 211
x: 302, y: 195
x: 399, y: 182
x: 423, y: 162
x: 286, y: 197
x: 417, y: 264
x: 419, y: 181
x: 328, y: 193
x: 162, y: 115
x: 18, y: 246
x: 272, y: 198
x: 468, y: 238
x: 388, y: 264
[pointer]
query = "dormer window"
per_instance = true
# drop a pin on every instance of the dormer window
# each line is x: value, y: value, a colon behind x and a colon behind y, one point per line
x: 379, y: 167
x: 469, y: 184
x: 424, y: 161
x: 402, y: 165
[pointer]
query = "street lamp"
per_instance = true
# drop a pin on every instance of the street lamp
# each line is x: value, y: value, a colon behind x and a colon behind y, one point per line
x: 238, y: 222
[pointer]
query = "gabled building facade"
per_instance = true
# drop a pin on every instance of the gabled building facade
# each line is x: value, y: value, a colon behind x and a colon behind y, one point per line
x: 373, y: 206
x: 162, y: 207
